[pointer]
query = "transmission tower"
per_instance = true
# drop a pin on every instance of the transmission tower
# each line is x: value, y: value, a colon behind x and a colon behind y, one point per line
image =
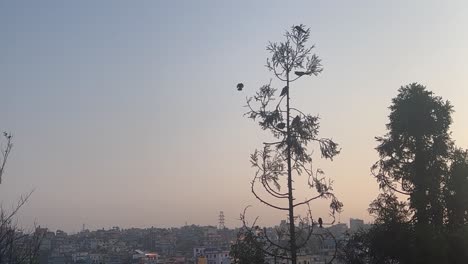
x: 221, y: 220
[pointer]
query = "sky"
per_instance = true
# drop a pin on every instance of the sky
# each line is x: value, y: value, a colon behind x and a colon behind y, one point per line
x: 126, y: 113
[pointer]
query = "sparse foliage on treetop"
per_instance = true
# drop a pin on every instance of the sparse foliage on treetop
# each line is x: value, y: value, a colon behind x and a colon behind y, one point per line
x: 271, y: 112
x: 293, y: 55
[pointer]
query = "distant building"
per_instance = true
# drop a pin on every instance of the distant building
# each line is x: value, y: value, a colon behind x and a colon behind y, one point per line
x: 173, y: 260
x: 80, y: 257
x: 355, y: 224
x: 338, y: 230
x: 55, y: 258
x: 211, y: 255
x: 141, y: 257
x: 61, y: 234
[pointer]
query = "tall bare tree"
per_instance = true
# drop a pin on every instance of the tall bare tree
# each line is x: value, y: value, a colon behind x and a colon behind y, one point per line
x: 279, y: 162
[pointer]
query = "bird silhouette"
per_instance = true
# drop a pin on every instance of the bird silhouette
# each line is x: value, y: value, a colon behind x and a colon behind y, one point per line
x: 300, y: 29
x: 300, y: 73
x: 320, y: 221
x: 284, y: 91
x: 240, y: 86
x: 8, y: 136
x: 295, y: 121
x: 280, y: 125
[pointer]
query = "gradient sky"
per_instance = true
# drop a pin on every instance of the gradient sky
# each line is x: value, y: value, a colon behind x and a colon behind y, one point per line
x: 126, y: 113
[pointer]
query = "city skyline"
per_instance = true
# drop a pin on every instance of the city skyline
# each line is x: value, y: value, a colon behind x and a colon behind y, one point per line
x: 84, y: 227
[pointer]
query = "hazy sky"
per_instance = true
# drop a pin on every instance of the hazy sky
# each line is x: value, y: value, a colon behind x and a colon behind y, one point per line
x: 126, y: 113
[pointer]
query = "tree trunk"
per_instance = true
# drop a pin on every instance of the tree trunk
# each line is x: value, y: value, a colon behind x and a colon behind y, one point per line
x: 292, y: 227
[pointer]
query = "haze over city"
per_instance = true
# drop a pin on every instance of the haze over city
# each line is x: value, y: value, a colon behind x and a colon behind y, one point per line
x: 127, y: 114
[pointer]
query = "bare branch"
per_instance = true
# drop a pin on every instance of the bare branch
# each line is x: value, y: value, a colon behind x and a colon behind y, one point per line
x: 263, y: 201
x: 5, y: 153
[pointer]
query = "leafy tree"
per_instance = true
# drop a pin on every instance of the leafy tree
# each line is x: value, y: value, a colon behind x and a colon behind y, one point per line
x: 456, y: 199
x: 456, y: 190
x: 414, y: 152
x: 249, y: 245
x: 417, y: 159
x: 386, y: 208
x: 279, y: 162
x: 247, y: 249
x: 413, y: 160
x: 389, y: 240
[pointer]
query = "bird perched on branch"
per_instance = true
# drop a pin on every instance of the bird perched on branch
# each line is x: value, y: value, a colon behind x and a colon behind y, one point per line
x: 240, y: 86
x: 284, y: 91
x: 295, y: 121
x: 300, y: 73
x: 300, y: 29
x: 320, y: 221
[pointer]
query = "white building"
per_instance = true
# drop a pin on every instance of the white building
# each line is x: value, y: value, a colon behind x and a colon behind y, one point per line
x: 212, y: 255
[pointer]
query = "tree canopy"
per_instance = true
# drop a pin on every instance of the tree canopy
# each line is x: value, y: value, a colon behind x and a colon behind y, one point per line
x: 421, y: 212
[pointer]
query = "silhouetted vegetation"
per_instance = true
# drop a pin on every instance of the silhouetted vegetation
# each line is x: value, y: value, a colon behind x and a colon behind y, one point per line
x: 5, y: 152
x: 279, y: 162
x: 250, y: 244
x: 16, y: 245
x: 419, y: 162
